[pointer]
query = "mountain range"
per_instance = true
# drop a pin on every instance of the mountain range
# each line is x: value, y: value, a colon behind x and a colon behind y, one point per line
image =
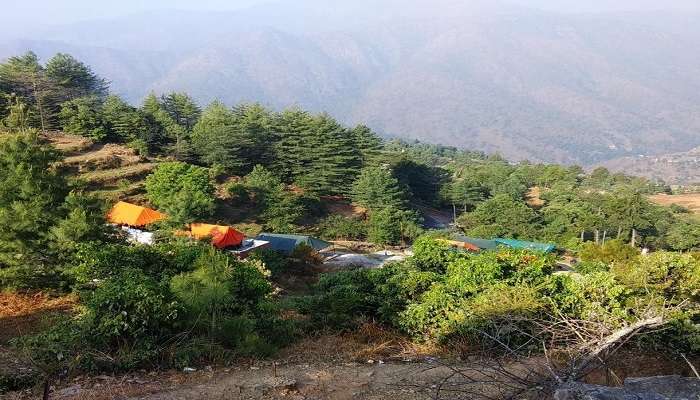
x: 529, y: 83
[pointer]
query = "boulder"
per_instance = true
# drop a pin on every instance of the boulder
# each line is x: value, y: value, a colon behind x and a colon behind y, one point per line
x: 653, y: 388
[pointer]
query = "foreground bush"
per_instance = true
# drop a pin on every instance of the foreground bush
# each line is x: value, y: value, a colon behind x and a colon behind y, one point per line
x: 506, y: 297
x: 168, y: 305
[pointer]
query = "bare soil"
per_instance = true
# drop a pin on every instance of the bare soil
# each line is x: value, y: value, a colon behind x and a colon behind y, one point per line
x: 690, y: 201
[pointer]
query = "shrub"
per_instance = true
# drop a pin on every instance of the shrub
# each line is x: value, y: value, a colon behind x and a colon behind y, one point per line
x: 99, y: 261
x: 390, y: 226
x: 431, y: 254
x: 340, y: 298
x: 133, y: 307
x: 274, y: 261
x: 670, y: 275
x: 589, y: 267
x: 613, y: 251
x: 221, y: 287
x: 338, y: 227
x: 183, y: 191
x: 595, y: 297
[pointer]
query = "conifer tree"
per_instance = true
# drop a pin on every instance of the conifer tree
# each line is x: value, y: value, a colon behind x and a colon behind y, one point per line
x: 376, y: 188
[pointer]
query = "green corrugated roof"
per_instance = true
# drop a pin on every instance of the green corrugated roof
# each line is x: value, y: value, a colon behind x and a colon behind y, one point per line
x: 287, y: 243
x: 525, y: 245
x: 483, y: 244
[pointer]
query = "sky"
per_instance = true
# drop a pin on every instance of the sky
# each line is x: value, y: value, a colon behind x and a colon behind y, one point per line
x: 17, y: 14
x: 21, y: 15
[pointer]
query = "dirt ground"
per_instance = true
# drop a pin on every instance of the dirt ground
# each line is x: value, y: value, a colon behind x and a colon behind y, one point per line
x: 690, y: 201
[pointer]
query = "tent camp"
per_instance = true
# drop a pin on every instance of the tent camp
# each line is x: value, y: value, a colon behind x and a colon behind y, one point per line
x: 524, y: 245
x: 287, y: 243
x: 221, y: 236
x: 132, y: 215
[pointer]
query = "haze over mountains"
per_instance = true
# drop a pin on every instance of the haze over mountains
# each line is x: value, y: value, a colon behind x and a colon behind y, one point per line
x: 528, y: 80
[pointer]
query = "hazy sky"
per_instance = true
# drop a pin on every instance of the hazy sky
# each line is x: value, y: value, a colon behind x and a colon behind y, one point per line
x: 20, y: 15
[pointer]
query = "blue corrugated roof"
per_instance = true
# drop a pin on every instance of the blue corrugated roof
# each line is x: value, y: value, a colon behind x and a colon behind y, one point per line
x: 287, y: 243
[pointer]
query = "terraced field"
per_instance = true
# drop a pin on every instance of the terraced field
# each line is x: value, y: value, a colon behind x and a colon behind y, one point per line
x: 114, y: 172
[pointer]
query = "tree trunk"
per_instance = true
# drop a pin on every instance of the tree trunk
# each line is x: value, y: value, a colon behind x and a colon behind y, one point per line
x: 619, y: 232
x: 582, y: 235
x: 454, y: 213
x: 605, y: 234
x: 47, y: 388
x: 597, y: 236
x: 39, y: 106
x: 634, y: 237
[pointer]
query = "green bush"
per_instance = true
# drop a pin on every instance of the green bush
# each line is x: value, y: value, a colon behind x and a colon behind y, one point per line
x: 391, y: 226
x: 274, y: 261
x: 613, y: 251
x: 589, y: 267
x: 339, y: 298
x: 338, y: 227
x: 595, y: 297
x: 432, y: 254
x: 131, y: 306
x: 184, y: 192
x: 670, y: 275
x: 98, y: 261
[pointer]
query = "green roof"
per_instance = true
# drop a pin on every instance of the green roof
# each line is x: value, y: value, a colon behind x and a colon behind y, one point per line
x: 287, y: 243
x: 483, y: 244
x: 524, y: 245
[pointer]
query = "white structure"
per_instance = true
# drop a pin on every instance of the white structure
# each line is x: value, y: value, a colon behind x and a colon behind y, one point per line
x: 138, y: 236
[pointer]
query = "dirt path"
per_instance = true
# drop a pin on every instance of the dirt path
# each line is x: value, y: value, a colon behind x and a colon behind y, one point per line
x: 305, y: 381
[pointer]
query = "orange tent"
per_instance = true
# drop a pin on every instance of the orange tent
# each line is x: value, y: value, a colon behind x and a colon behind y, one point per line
x: 221, y: 236
x: 132, y: 215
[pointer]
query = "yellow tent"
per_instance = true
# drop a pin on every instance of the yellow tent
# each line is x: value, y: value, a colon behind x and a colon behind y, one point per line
x: 132, y: 215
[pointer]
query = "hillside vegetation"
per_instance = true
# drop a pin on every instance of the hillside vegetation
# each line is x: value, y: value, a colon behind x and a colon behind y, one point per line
x: 180, y: 303
x: 484, y: 75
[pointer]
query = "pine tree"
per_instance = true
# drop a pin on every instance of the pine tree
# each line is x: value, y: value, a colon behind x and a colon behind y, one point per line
x: 368, y: 143
x: 26, y: 78
x: 293, y: 129
x: 75, y: 78
x: 376, y: 188
x: 31, y: 196
x: 125, y: 122
x: 335, y: 160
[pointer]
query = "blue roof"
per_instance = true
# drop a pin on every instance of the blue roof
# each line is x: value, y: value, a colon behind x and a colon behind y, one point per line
x: 287, y: 243
x: 524, y: 245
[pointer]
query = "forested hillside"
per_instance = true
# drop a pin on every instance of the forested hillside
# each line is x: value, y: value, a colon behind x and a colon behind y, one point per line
x: 621, y: 270
x: 251, y: 149
x: 529, y: 84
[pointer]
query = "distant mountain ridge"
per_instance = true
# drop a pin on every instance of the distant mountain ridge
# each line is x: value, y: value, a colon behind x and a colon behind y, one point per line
x: 529, y: 84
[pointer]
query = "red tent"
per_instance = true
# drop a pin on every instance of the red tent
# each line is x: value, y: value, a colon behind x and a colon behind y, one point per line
x: 221, y: 236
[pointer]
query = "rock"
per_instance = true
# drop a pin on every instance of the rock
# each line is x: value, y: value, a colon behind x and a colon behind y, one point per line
x: 673, y: 387
x: 69, y: 391
x: 188, y: 370
x: 654, y: 388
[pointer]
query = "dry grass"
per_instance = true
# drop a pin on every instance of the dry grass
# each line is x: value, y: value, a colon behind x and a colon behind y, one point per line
x: 369, y: 342
x: 690, y: 201
x: 533, y: 198
x: 23, y: 313
x: 69, y: 144
x: 20, y: 304
x: 111, y: 175
x: 107, y: 156
x: 379, y: 343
